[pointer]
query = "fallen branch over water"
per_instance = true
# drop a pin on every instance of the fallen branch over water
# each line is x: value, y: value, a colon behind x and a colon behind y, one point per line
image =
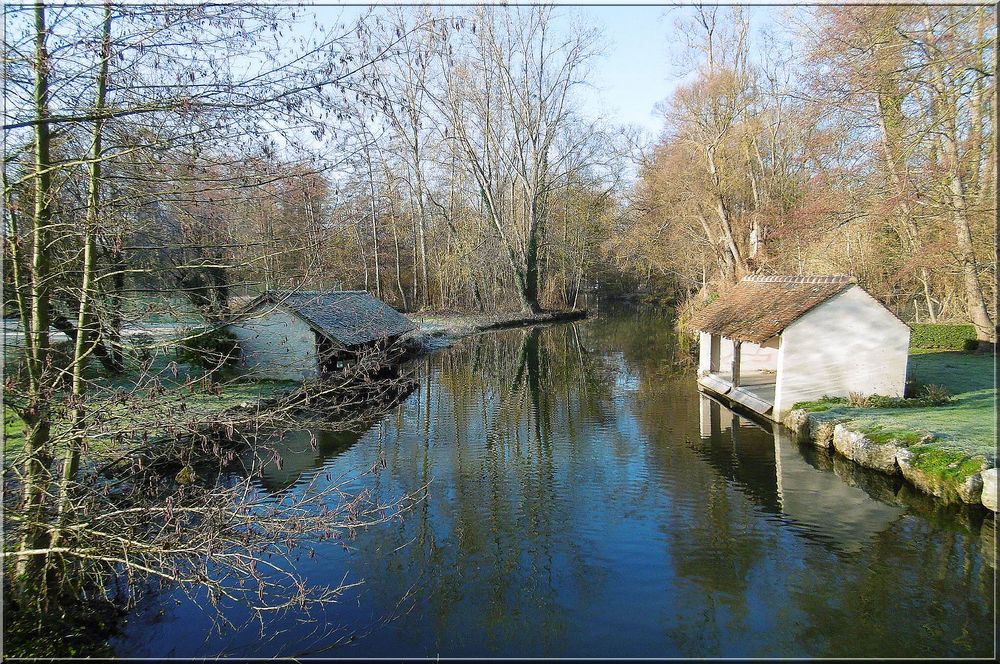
x: 441, y: 329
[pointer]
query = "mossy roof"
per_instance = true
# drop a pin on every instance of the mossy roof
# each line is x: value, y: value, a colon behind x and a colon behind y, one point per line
x: 351, y: 318
x: 761, y: 306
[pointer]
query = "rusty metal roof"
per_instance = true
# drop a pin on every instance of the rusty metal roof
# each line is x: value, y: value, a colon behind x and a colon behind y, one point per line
x: 761, y: 306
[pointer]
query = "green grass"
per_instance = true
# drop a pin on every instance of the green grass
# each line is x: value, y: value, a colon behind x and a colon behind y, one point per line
x: 964, y: 431
x: 820, y: 405
x: 13, y: 430
x: 883, y: 434
x: 946, y: 464
x: 959, y: 372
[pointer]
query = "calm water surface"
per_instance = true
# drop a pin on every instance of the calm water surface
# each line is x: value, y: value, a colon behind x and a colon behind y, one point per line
x: 585, y: 500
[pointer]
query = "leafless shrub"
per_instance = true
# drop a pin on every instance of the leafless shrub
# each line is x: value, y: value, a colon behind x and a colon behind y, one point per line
x: 858, y: 400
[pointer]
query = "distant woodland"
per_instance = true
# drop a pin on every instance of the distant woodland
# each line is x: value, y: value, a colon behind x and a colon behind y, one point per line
x: 443, y: 160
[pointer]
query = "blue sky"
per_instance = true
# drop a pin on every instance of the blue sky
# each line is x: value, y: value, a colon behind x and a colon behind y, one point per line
x: 635, y: 72
x: 637, y: 69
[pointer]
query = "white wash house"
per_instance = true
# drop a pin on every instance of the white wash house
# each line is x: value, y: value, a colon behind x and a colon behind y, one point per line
x: 302, y: 335
x: 771, y: 341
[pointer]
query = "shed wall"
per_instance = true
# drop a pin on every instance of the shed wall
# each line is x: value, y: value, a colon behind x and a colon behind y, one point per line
x: 278, y: 345
x: 850, y: 343
x: 753, y: 357
x: 704, y: 352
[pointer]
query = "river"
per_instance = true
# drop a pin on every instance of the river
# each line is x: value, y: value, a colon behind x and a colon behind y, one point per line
x: 584, y: 500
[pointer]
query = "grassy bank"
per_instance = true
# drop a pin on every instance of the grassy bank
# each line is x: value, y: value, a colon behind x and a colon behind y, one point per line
x: 182, y: 396
x: 950, y: 441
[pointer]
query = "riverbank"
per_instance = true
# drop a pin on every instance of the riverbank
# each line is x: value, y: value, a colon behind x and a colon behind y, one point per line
x: 206, y: 404
x: 441, y: 329
x: 948, y: 451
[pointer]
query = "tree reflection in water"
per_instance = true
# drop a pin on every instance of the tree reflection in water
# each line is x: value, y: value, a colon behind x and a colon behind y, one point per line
x: 579, y: 503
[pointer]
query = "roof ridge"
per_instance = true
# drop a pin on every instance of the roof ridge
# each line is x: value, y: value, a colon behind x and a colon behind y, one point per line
x: 800, y: 278
x: 310, y: 292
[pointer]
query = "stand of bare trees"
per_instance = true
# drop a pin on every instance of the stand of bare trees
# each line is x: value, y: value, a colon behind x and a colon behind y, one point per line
x: 476, y: 151
x: 858, y: 140
x: 155, y: 150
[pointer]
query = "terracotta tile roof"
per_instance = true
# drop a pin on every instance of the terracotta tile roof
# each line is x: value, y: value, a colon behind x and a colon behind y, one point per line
x: 761, y: 306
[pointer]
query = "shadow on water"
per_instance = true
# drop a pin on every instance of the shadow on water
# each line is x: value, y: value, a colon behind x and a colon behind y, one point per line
x: 585, y: 500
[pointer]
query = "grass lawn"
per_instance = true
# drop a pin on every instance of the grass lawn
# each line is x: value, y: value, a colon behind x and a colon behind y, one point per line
x: 13, y: 430
x: 963, y: 431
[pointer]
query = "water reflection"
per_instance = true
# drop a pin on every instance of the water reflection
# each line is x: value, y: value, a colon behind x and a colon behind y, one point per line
x: 822, y: 505
x: 301, y: 452
x: 584, y: 500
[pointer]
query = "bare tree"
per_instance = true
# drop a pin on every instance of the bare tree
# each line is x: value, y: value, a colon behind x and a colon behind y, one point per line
x: 123, y: 178
x: 507, y: 97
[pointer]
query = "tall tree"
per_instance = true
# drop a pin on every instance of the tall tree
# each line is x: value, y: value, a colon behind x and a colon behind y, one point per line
x: 510, y: 91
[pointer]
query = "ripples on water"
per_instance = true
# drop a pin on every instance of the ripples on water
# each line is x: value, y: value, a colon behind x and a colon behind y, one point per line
x: 585, y: 500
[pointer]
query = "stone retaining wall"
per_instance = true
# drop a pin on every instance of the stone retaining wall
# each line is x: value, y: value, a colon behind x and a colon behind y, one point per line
x: 890, y: 458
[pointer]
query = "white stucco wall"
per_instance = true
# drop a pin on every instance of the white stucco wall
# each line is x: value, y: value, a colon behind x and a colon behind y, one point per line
x: 850, y: 343
x: 753, y: 357
x: 278, y: 345
x: 704, y: 352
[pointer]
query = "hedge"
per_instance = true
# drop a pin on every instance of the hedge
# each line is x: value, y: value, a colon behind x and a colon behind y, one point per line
x: 942, y: 336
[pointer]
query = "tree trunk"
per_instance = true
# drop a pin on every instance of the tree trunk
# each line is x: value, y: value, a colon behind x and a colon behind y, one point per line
x: 86, y: 336
x: 974, y: 298
x: 374, y: 216
x: 361, y: 248
x: 378, y: 272
x: 975, y: 301
x: 416, y: 269
x: 399, y: 276
x: 529, y: 290
x: 892, y: 119
x: 723, y: 213
x: 37, y: 443
x: 422, y: 237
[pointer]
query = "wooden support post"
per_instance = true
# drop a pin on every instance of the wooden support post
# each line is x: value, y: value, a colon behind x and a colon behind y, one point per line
x: 736, y: 363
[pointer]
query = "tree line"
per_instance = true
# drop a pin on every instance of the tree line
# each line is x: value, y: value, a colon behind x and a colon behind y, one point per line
x: 857, y: 140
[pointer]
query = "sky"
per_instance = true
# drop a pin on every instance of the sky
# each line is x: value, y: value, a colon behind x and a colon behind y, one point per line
x: 638, y: 67
x: 635, y: 72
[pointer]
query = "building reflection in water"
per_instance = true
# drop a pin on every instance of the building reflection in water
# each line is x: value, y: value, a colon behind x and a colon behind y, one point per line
x: 820, y: 503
